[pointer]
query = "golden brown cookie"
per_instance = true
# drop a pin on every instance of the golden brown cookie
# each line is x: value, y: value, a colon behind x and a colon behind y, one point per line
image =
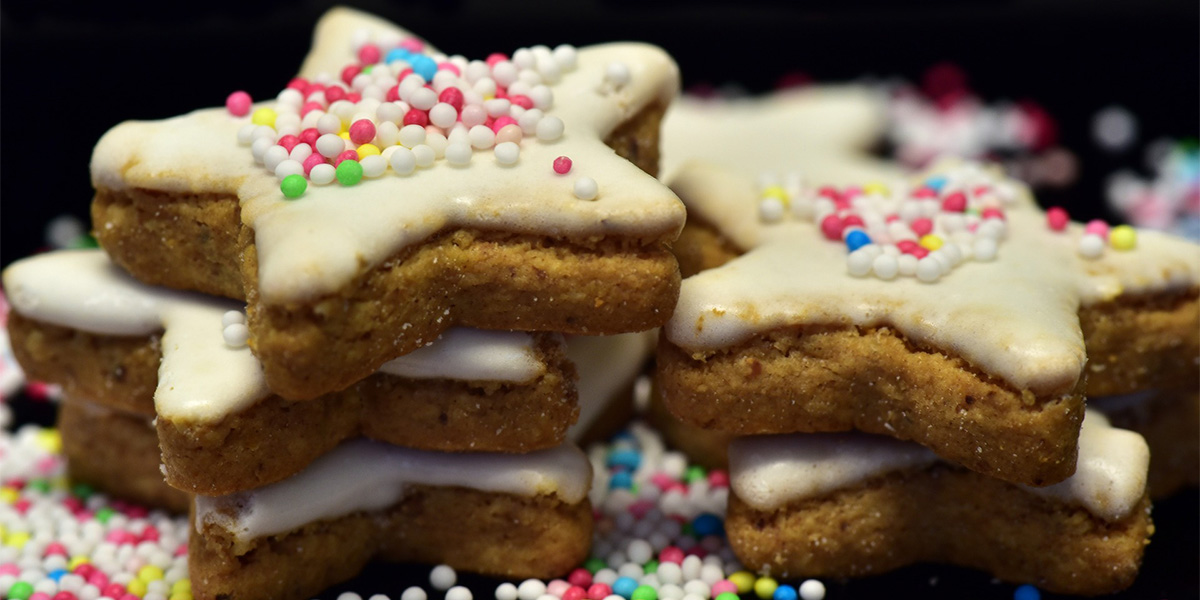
x: 463, y: 226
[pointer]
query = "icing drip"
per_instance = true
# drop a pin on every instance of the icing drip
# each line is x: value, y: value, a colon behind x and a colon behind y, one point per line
x: 768, y: 472
x: 364, y: 476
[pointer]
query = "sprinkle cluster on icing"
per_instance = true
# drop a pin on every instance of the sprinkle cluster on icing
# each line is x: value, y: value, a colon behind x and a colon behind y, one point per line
x: 921, y: 231
x: 203, y: 377
x: 315, y: 246
x: 1015, y: 318
x: 363, y: 475
x: 768, y: 472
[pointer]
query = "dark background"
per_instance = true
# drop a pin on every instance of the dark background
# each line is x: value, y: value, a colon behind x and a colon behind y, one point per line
x: 71, y: 70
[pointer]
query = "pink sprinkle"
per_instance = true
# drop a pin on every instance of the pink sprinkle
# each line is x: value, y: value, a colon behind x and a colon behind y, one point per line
x: 599, y: 591
x: 557, y: 587
x: 723, y: 586
x: 362, y: 131
x: 574, y: 593
x: 452, y: 96
x: 449, y: 66
x: 238, y: 104
x: 298, y: 83
x: 405, y: 72
x: 350, y: 72
x: 892, y: 218
x: 956, y: 202
x: 313, y: 88
x: 501, y: 92
x: 85, y: 570
x: 1057, y: 218
x: 925, y: 192
x: 347, y: 155
x: 907, y: 246
x: 354, y: 97
x: 662, y: 480
x: 677, y: 486
x: 718, y: 479
x: 502, y: 122
x: 829, y: 192
x: 310, y: 106
x: 289, y: 142
x: 10, y: 569
x: 55, y: 548
x: 919, y: 252
x: 671, y: 554
x: 580, y: 577
x: 562, y: 165
x: 22, y: 505
x: 181, y: 550
x: 981, y: 190
x: 521, y: 100
x: 113, y: 590
x: 128, y: 596
x: 334, y: 93
x: 851, y: 221
x: 412, y: 45
x: 496, y: 57
x: 309, y: 136
x: 992, y: 213
x: 311, y: 161
x: 852, y: 192
x: 831, y: 227
x: 150, y: 534
x: 65, y: 595
x: 1097, y: 227
x: 369, y: 54
x: 39, y: 596
x: 393, y: 93
x: 922, y: 226
x: 640, y: 508
x: 416, y: 116
x: 98, y: 579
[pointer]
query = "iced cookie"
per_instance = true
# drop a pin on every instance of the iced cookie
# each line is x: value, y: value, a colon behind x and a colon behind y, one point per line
x: 851, y: 504
x: 950, y: 311
x: 116, y: 452
x: 507, y: 515
x: 80, y: 321
x: 506, y: 196
x: 1169, y: 419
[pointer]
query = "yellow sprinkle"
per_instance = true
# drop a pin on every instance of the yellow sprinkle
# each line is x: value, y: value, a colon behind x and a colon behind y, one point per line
x: 61, y: 482
x: 137, y: 587
x: 75, y: 562
x: 16, y: 539
x: 49, y: 440
x: 875, y: 188
x: 744, y: 580
x: 765, y: 588
x: 776, y: 191
x: 345, y: 135
x: 183, y: 586
x: 1123, y: 237
x: 9, y: 495
x: 367, y: 150
x: 180, y: 596
x: 930, y: 242
x: 263, y: 116
x: 150, y: 573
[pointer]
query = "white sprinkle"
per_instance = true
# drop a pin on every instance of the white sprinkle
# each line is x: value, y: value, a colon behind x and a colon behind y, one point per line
x: 413, y: 593
x: 530, y: 589
x: 322, y: 174
x: 403, y: 160
x: 858, y: 263
x: 443, y: 115
x: 504, y: 73
x: 259, y: 148
x: 617, y: 74
x: 386, y: 134
x: 373, y: 165
x: 236, y: 335
x: 458, y: 592
x: 984, y: 249
x: 542, y: 97
x: 411, y: 135
x: 301, y: 152
x: 812, y: 589
x: 442, y: 577
x: 348, y: 596
x: 549, y: 128
x: 329, y: 124
x: 1091, y: 245
x: 423, y: 155
x: 770, y: 209
x: 438, y: 143
x: 481, y: 137
x: 507, y: 153
x: 245, y: 135
x: 929, y: 269
x: 586, y: 189
x: 458, y: 154
x: 566, y: 57
x: 330, y: 145
x: 423, y: 98
x: 288, y: 167
x: 506, y: 591
x: 885, y: 266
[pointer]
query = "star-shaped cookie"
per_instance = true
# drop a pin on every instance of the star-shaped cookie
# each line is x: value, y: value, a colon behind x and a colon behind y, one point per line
x: 446, y: 230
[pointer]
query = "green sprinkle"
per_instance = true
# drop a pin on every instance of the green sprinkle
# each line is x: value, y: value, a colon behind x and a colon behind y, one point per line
x: 104, y: 514
x: 293, y: 186
x: 727, y: 596
x: 594, y: 564
x: 644, y: 592
x: 695, y: 473
x: 84, y: 241
x: 651, y: 567
x: 40, y: 485
x: 82, y: 491
x: 349, y: 172
x: 20, y: 591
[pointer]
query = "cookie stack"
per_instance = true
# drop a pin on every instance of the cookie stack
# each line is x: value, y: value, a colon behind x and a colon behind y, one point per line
x: 349, y: 330
x: 948, y: 323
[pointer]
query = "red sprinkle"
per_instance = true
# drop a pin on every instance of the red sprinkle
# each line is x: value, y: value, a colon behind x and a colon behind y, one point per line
x: 671, y: 554
x: 64, y: 595
x: 313, y: 88
x: 496, y: 57
x: 562, y: 165
x: 113, y: 590
x: 362, y: 131
x: 289, y: 142
x: 347, y: 155
x: 354, y: 97
x: 500, y: 123
x: 84, y: 570
x: 574, y: 593
x: 55, y: 548
x: 369, y: 54
x: 309, y: 136
x: 416, y: 116
x: 599, y: 591
x: 311, y: 106
x: 405, y: 72
x: 922, y: 226
x: 580, y: 577
x: 334, y: 93
x: 522, y: 101
x: 907, y: 246
x: 718, y: 479
x: 924, y: 192
x: 299, y: 84
x: 956, y: 202
x: 393, y: 93
x: 831, y: 227
x: 1057, y: 218
x: 350, y: 72
x: 852, y: 221
x: 452, y: 96
x: 992, y: 213
x: 449, y: 66
x: 313, y: 160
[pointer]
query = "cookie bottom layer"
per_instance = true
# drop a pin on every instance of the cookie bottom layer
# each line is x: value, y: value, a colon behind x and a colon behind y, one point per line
x: 117, y: 453
x: 945, y: 515
x: 493, y: 534
x: 840, y: 379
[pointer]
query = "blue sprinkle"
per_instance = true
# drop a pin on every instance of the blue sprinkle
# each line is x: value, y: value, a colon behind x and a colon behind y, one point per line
x: 621, y: 480
x: 857, y: 239
x: 624, y: 587
x: 397, y: 54
x: 707, y: 524
x: 630, y: 459
x: 784, y: 592
x: 423, y: 65
x: 937, y: 182
x: 1027, y: 592
x: 56, y: 574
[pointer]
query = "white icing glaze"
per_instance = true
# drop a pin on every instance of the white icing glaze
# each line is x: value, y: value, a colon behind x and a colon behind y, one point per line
x: 768, y: 472
x: 200, y: 377
x: 319, y: 243
x: 607, y: 365
x: 821, y: 131
x: 1015, y: 317
x: 363, y: 475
